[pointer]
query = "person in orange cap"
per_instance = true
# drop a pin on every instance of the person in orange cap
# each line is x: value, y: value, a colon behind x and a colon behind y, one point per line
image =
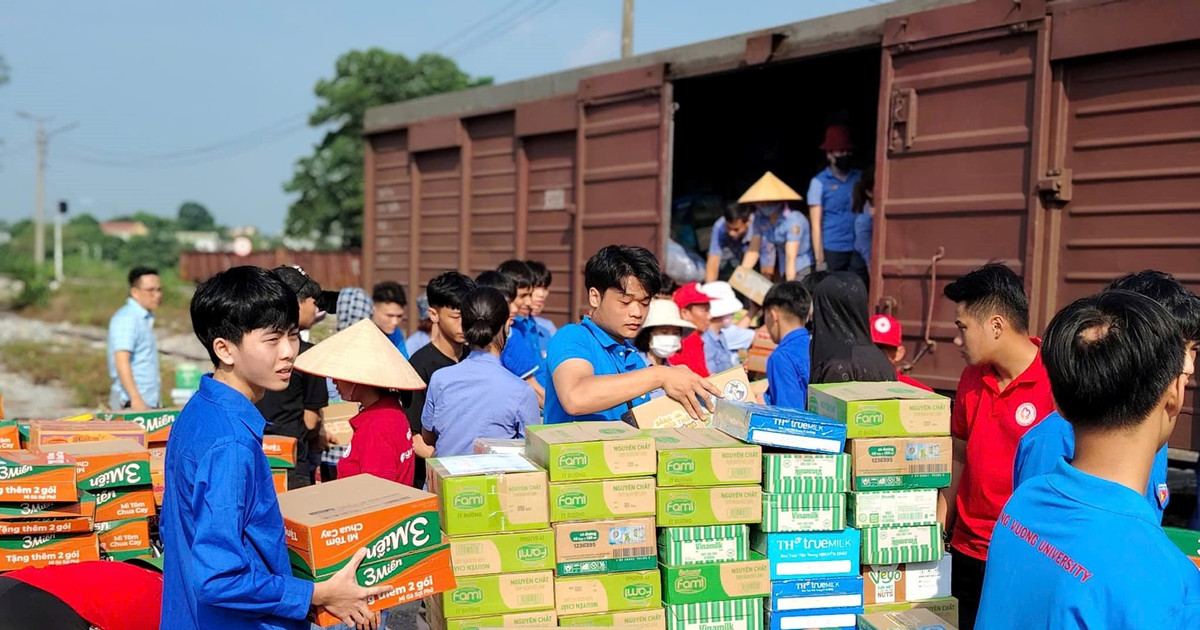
x: 886, y: 333
x: 831, y: 199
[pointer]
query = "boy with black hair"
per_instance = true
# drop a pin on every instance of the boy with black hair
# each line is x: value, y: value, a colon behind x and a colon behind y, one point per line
x: 525, y: 330
x: 517, y: 356
x: 1079, y: 547
x: 596, y: 373
x: 541, y: 292
x: 730, y: 238
x: 225, y: 557
x: 1002, y: 393
x: 1053, y: 439
x: 787, y: 308
x: 388, y: 304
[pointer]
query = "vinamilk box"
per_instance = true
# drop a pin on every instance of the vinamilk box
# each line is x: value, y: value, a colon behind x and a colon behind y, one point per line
x: 802, y: 473
x: 893, y: 507
x: 700, y: 545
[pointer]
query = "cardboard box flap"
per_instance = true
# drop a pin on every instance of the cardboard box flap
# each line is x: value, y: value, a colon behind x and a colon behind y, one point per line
x: 335, y: 500
x: 119, y: 446
x: 490, y: 464
x: 13, y: 463
x: 584, y: 432
x: 885, y: 390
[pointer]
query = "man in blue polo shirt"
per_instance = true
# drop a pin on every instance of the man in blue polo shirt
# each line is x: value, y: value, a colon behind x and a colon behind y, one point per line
x: 1053, y: 439
x: 1079, y: 547
x: 730, y: 238
x: 778, y: 234
x: 596, y: 373
x: 830, y: 205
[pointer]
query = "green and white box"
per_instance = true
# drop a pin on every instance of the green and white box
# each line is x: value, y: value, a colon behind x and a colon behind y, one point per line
x: 581, y: 451
x: 503, y: 553
x: 804, y: 512
x: 610, y: 592
x: 606, y: 498
x: 893, y: 507
x: 723, y: 505
x: 884, y: 409
x: 910, y: 543
x: 736, y: 614
x: 802, y: 473
x: 698, y: 545
x: 705, y: 457
x: 652, y: 619
x: 716, y: 581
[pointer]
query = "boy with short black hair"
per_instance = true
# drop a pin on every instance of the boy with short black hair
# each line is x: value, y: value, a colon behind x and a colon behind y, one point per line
x: 225, y: 557
x: 525, y: 330
x: 787, y: 308
x: 388, y: 304
x: 517, y: 356
x: 541, y: 292
x: 1079, y: 547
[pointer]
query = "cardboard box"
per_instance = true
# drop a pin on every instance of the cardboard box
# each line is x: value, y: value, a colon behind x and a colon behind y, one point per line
x: 158, y: 476
x: 664, y: 413
x: 802, y: 473
x: 480, y: 494
x: 716, y: 581
x: 280, y: 451
x: 325, y: 524
x: 156, y: 422
x: 1187, y: 540
x: 336, y: 419
x: 893, y: 507
x: 503, y: 553
x: 679, y: 546
x: 413, y: 576
x: 652, y: 619
x: 279, y: 476
x: 37, y: 477
x: 760, y: 350
x: 596, y: 500
x: 804, y: 512
x: 527, y: 620
x: 493, y: 446
x: 751, y: 284
x: 736, y: 614
x: 804, y: 619
x: 609, y: 592
x: 41, y: 510
x: 817, y: 593
x: 805, y: 554
x: 22, y: 552
x: 124, y: 538
x: 779, y: 426
x: 119, y: 463
x: 890, y: 583
x: 915, y: 619
x: 10, y: 436
x: 944, y: 607
x: 758, y: 390
x: 47, y: 435
x: 704, y: 457
x: 722, y: 505
x: 884, y: 409
x: 909, y: 543
x: 604, y: 546
x: 32, y: 527
x: 581, y: 451
x: 497, y: 594
x: 901, y: 463
x: 123, y: 503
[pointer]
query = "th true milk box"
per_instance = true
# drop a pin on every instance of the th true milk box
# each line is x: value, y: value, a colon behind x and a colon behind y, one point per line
x: 601, y: 499
x: 779, y: 427
x: 908, y: 543
x: 716, y: 581
x: 804, y: 512
x: 37, y: 477
x: 722, y: 505
x: 480, y: 494
x: 156, y: 422
x: 513, y: 552
x: 665, y: 413
x: 651, y: 619
x: 901, y: 463
x: 119, y: 463
x: 608, y: 546
x: 890, y: 583
x: 944, y: 607
x: 608, y: 592
x: 808, y: 619
x: 698, y: 545
x: 735, y: 614
x: 803, y: 554
x: 913, y: 619
x: 498, y: 594
x: 704, y: 457
x: 843, y: 593
x: 883, y: 409
x: 802, y: 473
x: 410, y: 577
x: 893, y: 507
x: 581, y: 451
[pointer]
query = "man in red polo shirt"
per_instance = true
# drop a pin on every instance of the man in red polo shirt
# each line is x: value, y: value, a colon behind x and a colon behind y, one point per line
x: 1003, y: 392
x: 693, y: 307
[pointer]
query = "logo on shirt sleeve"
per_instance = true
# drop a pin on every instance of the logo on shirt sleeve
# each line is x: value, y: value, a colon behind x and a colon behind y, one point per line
x: 1026, y: 414
x: 1163, y: 494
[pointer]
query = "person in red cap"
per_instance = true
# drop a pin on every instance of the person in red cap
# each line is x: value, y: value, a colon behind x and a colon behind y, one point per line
x: 886, y: 333
x: 831, y: 202
x: 693, y: 307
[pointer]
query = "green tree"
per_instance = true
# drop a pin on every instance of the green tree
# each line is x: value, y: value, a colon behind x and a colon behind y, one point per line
x: 159, y: 250
x: 194, y: 217
x: 329, y: 182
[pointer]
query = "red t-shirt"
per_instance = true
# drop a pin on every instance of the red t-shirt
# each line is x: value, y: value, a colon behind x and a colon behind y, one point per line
x: 992, y: 423
x: 110, y: 595
x: 692, y: 355
x: 904, y: 378
x: 382, y: 444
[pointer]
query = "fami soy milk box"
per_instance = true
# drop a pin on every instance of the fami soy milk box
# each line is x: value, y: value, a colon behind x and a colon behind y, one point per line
x: 481, y: 494
x: 601, y: 499
x: 512, y: 552
x: 609, y: 592
x: 704, y: 457
x: 582, y: 451
x: 884, y: 409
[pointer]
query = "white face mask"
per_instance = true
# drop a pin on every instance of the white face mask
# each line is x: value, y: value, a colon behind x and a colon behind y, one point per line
x: 664, y: 346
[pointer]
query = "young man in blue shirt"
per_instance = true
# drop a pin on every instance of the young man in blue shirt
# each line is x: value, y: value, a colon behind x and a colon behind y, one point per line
x: 778, y: 235
x: 525, y: 329
x: 225, y: 557
x: 730, y: 238
x: 830, y: 203
x: 1053, y: 439
x: 1079, y: 547
x: 517, y: 357
x: 788, y: 306
x: 541, y: 292
x: 388, y: 304
x: 596, y: 373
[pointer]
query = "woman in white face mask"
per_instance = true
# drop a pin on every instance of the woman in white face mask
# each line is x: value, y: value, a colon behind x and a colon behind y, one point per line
x: 661, y: 335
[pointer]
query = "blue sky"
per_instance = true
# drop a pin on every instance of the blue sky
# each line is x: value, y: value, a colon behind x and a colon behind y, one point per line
x: 147, y: 78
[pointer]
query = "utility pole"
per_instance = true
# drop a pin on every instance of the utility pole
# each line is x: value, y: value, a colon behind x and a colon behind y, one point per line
x: 39, y: 210
x: 58, y: 246
x: 627, y: 30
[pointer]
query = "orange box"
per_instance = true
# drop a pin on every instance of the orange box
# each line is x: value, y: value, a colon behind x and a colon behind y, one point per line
x: 279, y: 476
x: 122, y: 538
x: 40, y: 477
x: 41, y: 510
x: 10, y: 436
x: 760, y: 349
x: 119, y: 463
x: 39, y: 551
x: 156, y: 422
x: 413, y: 576
x: 30, y: 527
x: 280, y: 451
x: 46, y: 434
x: 328, y: 523
x: 158, y: 478
x: 121, y: 504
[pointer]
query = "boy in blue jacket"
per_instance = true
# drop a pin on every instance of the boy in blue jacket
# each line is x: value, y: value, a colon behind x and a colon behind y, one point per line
x: 788, y: 307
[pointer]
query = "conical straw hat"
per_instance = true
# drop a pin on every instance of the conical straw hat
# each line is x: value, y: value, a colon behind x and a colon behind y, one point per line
x: 360, y: 354
x: 769, y: 188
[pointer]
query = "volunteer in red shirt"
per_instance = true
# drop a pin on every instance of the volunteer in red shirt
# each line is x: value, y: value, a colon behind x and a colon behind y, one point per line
x: 368, y: 369
x: 97, y: 595
x: 1003, y: 392
x: 694, y: 308
x: 886, y: 333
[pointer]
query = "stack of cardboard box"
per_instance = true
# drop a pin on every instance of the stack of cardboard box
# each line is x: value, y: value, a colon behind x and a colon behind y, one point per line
x: 494, y: 512
x: 117, y: 474
x: 157, y: 423
x: 43, y: 520
x: 281, y: 455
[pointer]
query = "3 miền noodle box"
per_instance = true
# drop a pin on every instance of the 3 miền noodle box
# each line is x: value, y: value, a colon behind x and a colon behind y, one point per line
x: 780, y: 427
x: 480, y: 494
x: 883, y: 409
x: 326, y: 524
x: 596, y: 500
x: 699, y: 545
x: 45, y: 435
x: 704, y: 457
x: 716, y: 581
x: 608, y: 546
x: 124, y: 539
x: 156, y: 422
x: 280, y: 451
x: 665, y: 413
x: 10, y: 436
x: 122, y: 503
x: 21, y: 552
x: 609, y: 592
x: 497, y: 594
x: 581, y: 451
x: 901, y: 463
x: 890, y: 583
x: 119, y: 463
x: 722, y: 505
x: 413, y: 576
x: 802, y: 473
x: 513, y: 552
x: 893, y: 507
x: 37, y: 477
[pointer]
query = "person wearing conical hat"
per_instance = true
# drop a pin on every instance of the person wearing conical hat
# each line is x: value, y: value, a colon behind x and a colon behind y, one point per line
x: 830, y: 205
x: 367, y: 369
x: 779, y: 234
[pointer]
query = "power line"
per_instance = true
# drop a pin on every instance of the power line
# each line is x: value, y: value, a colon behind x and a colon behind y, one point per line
x: 496, y: 32
x: 221, y: 152
x: 463, y: 33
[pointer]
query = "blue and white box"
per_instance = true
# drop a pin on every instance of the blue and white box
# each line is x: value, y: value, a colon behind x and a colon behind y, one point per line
x: 806, y: 554
x: 809, y: 619
x: 817, y: 593
x: 780, y: 427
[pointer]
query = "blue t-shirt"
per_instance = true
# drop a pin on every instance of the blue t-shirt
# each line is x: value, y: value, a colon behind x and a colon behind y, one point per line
x: 1071, y: 550
x: 791, y: 226
x: 517, y: 355
x: 788, y: 371
x: 1053, y: 440
x: 477, y: 398
x: 589, y: 342
x: 532, y: 334
x: 397, y: 339
x: 836, y: 198
x: 717, y: 355
x: 864, y: 225
x: 730, y: 250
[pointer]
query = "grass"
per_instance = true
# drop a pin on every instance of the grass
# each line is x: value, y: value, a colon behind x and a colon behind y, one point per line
x: 82, y: 369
